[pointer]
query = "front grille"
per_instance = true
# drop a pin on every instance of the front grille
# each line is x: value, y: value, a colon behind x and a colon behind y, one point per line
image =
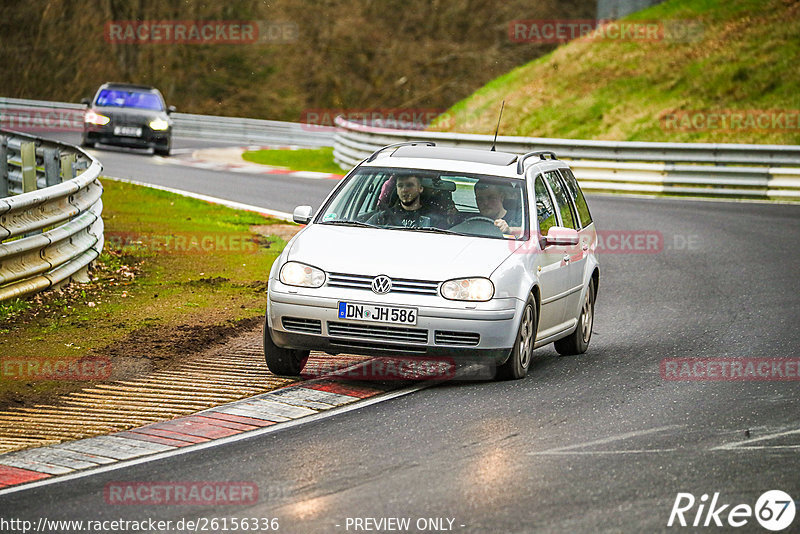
x: 391, y: 334
x: 466, y: 339
x: 307, y: 326
x: 399, y: 285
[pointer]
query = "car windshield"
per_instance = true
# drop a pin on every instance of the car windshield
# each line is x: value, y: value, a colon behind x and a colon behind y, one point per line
x: 118, y: 98
x: 432, y: 201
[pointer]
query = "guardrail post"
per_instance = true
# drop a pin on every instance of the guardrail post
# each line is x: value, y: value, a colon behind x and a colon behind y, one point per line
x: 78, y: 167
x: 51, y: 166
x: 3, y: 167
x: 27, y: 153
x: 67, y: 171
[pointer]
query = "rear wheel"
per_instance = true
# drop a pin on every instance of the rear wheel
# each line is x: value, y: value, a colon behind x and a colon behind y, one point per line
x: 578, y: 341
x: 280, y: 361
x: 516, y: 366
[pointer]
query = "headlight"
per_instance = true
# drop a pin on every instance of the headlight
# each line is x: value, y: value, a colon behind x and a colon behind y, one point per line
x: 95, y: 118
x: 294, y: 273
x: 477, y: 289
x: 159, y: 124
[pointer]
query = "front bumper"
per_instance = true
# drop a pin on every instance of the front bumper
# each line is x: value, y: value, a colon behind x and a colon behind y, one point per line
x: 301, y: 319
x: 149, y: 139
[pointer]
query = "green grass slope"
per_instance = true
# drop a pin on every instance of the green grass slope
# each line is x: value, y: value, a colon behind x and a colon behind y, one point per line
x: 747, y: 59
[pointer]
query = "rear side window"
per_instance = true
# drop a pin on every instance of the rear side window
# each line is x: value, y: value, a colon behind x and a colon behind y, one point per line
x: 577, y: 197
x: 562, y: 200
x: 545, y: 211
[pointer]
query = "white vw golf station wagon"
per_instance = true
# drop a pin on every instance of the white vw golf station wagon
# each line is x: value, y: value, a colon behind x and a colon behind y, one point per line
x: 426, y: 251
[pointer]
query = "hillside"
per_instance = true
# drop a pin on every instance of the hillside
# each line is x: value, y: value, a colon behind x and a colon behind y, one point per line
x: 740, y: 82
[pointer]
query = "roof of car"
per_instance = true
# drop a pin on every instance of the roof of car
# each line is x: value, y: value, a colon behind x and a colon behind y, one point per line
x: 456, y: 154
x: 130, y: 86
x: 455, y: 159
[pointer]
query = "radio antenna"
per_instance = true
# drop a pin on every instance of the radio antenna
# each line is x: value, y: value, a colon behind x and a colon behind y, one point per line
x: 498, y: 125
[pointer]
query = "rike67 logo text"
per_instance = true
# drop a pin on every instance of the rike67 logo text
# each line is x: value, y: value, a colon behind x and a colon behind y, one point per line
x: 774, y: 510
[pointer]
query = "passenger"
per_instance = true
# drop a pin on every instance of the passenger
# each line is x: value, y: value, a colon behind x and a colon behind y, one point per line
x: 489, y: 198
x: 409, y: 211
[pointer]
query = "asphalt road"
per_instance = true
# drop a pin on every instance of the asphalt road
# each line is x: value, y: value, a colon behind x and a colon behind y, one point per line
x: 597, y: 442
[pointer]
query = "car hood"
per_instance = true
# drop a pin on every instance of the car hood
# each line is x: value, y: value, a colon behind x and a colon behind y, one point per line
x: 399, y: 253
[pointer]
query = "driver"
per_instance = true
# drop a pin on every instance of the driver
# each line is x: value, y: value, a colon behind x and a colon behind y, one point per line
x: 409, y: 212
x: 489, y: 199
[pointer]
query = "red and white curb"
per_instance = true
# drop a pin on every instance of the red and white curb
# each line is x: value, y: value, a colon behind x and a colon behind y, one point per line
x: 237, y: 420
x: 245, y: 167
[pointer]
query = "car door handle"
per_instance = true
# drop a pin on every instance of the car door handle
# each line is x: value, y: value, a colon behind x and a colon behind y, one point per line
x: 566, y: 258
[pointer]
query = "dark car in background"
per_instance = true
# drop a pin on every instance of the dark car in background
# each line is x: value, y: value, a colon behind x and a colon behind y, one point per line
x: 128, y: 115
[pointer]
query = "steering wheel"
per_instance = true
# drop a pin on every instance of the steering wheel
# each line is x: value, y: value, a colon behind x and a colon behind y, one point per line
x: 478, y: 218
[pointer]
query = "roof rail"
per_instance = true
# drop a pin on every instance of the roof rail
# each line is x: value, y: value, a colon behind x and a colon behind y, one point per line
x: 540, y: 153
x: 408, y: 143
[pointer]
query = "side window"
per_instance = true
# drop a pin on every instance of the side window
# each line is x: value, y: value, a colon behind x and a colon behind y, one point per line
x: 545, y: 212
x: 562, y: 201
x: 575, y: 192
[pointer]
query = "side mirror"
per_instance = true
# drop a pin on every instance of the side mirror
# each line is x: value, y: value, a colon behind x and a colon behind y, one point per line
x: 170, y: 109
x: 302, y: 215
x: 558, y: 235
x: 86, y: 102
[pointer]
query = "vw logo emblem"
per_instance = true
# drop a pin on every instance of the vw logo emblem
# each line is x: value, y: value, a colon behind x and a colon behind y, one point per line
x: 381, y: 284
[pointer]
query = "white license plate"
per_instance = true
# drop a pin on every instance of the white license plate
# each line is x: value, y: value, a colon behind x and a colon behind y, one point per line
x: 353, y: 311
x: 128, y: 131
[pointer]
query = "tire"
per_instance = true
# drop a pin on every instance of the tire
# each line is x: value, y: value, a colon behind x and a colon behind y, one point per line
x: 87, y: 144
x: 280, y: 361
x: 161, y: 151
x: 578, y: 341
x: 519, y: 361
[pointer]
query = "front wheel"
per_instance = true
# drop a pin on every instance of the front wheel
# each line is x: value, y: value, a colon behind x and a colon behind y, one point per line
x: 578, y: 341
x: 280, y: 361
x: 516, y: 366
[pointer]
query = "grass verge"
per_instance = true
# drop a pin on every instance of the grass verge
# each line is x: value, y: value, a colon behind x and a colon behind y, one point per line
x: 303, y: 159
x: 173, y: 270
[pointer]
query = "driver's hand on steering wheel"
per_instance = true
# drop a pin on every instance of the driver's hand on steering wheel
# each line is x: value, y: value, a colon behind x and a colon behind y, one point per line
x: 502, y: 225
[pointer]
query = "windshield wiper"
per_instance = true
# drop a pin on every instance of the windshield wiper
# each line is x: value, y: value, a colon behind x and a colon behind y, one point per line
x: 350, y: 223
x: 432, y: 229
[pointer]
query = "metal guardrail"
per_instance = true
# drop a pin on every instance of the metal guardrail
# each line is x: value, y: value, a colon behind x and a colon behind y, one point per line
x: 50, y: 235
x: 700, y: 169
x: 67, y: 116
